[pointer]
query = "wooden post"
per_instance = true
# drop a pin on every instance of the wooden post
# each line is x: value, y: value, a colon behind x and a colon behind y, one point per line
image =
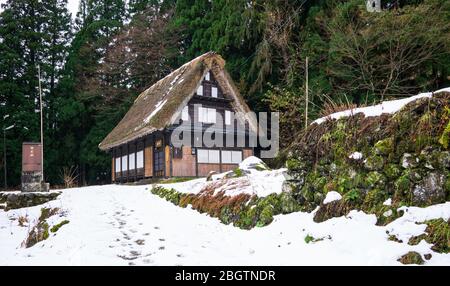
x: 306, y: 93
x: 42, y: 125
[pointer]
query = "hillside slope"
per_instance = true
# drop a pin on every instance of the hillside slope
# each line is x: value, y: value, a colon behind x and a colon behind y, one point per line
x: 127, y: 225
x: 369, y: 155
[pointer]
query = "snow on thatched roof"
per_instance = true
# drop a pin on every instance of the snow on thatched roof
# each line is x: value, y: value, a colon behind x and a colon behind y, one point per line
x: 161, y: 104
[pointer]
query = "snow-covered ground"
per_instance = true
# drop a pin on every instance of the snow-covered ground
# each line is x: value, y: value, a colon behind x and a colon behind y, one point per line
x: 122, y: 225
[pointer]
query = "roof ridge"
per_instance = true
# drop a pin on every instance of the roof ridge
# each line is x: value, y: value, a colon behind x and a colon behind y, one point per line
x: 205, y: 55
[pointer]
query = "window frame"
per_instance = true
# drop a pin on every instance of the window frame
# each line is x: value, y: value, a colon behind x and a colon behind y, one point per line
x: 200, y: 90
x: 124, y: 163
x: 140, y: 159
x: 132, y: 167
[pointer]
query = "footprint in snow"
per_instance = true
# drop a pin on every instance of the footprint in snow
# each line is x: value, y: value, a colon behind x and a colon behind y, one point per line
x: 147, y: 261
x: 135, y: 253
x: 124, y: 257
x: 140, y: 242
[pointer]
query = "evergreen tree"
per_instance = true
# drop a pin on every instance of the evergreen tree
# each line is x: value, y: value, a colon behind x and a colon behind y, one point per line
x: 97, y: 23
x: 33, y: 33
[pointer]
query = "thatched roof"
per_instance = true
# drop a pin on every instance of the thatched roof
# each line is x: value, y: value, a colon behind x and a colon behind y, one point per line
x: 161, y: 104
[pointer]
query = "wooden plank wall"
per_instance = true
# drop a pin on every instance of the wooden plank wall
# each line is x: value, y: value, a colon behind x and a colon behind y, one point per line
x: 229, y: 167
x: 148, y: 161
x: 113, y: 170
x: 167, y: 156
x: 205, y: 168
x: 184, y: 167
x: 247, y: 153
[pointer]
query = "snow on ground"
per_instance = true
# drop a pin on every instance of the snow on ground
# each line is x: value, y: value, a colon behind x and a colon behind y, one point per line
x: 356, y: 156
x: 254, y: 182
x: 122, y: 225
x: 391, y: 106
x: 331, y: 197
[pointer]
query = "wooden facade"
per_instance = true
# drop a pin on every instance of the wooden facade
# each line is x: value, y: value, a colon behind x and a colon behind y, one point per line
x: 158, y: 153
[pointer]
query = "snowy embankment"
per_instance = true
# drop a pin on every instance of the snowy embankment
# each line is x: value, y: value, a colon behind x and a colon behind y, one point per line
x: 255, y: 180
x: 391, y: 106
x: 123, y: 225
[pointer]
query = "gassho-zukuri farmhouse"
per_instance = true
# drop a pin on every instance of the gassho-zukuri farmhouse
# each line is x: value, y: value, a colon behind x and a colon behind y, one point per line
x: 199, y: 93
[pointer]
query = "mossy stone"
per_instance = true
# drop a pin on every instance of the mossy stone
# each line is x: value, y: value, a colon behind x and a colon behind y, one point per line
x: 374, y: 197
x: 287, y: 203
x: 411, y: 257
x: 374, y: 163
x: 384, y: 147
x: 392, y: 171
x: 374, y: 179
x: 266, y: 216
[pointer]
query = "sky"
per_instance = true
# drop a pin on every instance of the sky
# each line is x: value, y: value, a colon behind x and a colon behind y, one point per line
x: 72, y: 5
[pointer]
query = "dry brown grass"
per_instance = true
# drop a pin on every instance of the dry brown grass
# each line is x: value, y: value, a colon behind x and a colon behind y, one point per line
x: 69, y: 176
x: 23, y: 220
x: 212, y: 202
x: 331, y: 106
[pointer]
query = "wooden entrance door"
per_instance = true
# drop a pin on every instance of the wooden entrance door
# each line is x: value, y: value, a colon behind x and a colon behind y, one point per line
x: 158, y: 159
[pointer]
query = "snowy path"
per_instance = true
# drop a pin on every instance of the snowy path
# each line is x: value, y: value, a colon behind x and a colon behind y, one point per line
x: 124, y: 225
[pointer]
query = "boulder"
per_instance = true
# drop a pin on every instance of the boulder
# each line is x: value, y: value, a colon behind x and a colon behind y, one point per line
x: 411, y: 257
x: 430, y: 190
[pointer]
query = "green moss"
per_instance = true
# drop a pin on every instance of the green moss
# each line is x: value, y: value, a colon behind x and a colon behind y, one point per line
x: 294, y: 164
x: 394, y: 238
x: 287, y: 203
x: 352, y: 195
x: 402, y: 187
x: 47, y: 212
x: 266, y: 216
x: 384, y: 147
x: 445, y: 137
x: 392, y: 171
x: 45, y: 233
x: 417, y: 239
x: 56, y: 227
x: 374, y: 179
x: 344, y: 184
x: 411, y: 257
x: 374, y: 198
x: 447, y: 187
x: 309, y: 238
x: 319, y: 183
x: 176, y: 180
x: 238, y: 172
x: 262, y: 167
x: 438, y: 234
x: 374, y: 163
x: 248, y: 218
x: 226, y: 215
